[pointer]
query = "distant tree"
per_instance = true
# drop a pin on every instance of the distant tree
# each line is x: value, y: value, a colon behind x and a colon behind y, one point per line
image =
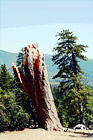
x: 6, y: 80
x: 73, y: 92
x: 20, y: 59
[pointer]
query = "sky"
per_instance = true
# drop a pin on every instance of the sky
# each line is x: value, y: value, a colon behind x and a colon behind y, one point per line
x: 23, y: 22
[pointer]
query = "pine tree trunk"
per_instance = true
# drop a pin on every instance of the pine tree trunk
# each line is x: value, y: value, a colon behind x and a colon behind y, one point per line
x: 36, y: 84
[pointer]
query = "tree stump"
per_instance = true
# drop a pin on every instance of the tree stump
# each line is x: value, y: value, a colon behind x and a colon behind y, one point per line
x: 36, y: 84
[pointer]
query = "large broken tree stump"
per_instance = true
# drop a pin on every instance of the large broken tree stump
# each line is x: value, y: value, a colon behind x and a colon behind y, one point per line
x: 36, y: 84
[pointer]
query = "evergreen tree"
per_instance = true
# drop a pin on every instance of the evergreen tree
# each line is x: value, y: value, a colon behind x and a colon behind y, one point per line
x: 73, y: 93
x: 6, y: 80
x: 20, y: 59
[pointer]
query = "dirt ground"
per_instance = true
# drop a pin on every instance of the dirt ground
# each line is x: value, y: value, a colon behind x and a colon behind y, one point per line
x: 41, y: 134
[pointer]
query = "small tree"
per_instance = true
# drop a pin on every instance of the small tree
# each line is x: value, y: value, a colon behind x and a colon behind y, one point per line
x: 73, y: 93
x: 6, y: 80
x: 20, y: 59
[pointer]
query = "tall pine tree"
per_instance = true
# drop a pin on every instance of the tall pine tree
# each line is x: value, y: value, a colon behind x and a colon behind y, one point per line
x: 73, y: 93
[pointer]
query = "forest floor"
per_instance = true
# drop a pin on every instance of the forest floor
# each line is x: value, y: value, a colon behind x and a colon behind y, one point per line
x: 41, y: 134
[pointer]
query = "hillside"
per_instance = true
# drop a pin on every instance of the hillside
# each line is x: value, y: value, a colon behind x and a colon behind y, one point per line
x: 7, y: 58
x: 87, y: 66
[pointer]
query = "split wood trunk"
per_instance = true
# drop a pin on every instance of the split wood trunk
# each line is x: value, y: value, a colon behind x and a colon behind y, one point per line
x: 36, y: 84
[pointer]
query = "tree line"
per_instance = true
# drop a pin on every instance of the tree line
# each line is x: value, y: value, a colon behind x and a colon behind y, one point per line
x: 72, y: 98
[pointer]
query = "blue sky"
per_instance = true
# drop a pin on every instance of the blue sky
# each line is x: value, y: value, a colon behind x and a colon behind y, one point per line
x: 23, y: 22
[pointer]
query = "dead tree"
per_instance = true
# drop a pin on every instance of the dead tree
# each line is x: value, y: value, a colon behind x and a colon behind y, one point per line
x: 35, y: 83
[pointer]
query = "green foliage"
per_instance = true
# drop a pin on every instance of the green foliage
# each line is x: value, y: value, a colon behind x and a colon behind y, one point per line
x: 67, y: 54
x: 12, y: 115
x: 20, y: 60
x: 6, y: 79
x: 72, y: 94
x: 68, y: 110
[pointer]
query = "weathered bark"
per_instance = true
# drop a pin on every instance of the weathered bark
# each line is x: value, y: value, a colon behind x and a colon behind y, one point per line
x: 36, y: 84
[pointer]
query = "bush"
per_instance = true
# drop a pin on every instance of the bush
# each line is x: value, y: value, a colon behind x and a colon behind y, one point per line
x: 12, y: 116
